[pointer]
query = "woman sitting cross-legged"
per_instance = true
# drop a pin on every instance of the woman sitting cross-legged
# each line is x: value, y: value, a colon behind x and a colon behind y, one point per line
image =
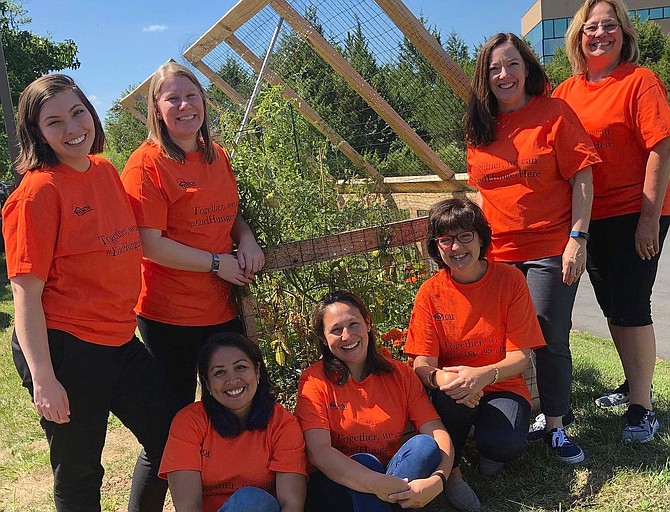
x: 354, y: 406
x: 471, y: 331
x: 237, y: 449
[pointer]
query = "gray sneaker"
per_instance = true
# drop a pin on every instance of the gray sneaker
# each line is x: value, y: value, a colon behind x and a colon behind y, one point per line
x: 641, y: 425
x: 615, y: 398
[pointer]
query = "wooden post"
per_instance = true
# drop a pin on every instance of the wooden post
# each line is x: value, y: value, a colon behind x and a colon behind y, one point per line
x: 367, y: 92
x: 219, y: 82
x: 429, y: 47
x: 8, y: 111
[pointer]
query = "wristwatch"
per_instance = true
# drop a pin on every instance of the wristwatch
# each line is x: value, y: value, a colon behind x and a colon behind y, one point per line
x: 216, y: 263
x: 580, y: 234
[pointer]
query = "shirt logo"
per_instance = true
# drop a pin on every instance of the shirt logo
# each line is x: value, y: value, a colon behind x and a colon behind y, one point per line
x: 335, y: 405
x: 185, y: 183
x: 204, y: 453
x: 81, y: 210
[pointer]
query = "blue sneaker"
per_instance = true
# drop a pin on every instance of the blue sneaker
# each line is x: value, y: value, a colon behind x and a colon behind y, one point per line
x: 641, y: 425
x: 563, y: 448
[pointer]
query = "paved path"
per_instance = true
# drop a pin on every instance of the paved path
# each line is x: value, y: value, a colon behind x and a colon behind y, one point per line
x: 586, y: 316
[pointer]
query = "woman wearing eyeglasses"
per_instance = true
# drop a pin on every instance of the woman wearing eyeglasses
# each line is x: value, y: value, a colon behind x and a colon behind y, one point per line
x: 471, y: 332
x: 530, y: 159
x: 625, y: 109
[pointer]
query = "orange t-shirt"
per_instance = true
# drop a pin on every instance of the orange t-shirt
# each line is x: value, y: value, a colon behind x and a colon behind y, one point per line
x: 364, y: 417
x: 194, y: 203
x: 227, y: 464
x: 625, y: 114
x: 475, y: 324
x: 76, y: 232
x: 523, y: 178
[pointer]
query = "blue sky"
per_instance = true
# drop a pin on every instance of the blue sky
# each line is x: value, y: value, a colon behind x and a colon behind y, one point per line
x: 121, y: 42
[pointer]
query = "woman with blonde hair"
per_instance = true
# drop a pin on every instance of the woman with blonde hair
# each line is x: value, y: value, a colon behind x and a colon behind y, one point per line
x: 184, y: 195
x: 624, y: 107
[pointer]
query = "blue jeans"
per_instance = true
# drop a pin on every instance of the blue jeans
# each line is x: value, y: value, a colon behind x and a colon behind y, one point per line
x: 251, y: 499
x: 417, y: 458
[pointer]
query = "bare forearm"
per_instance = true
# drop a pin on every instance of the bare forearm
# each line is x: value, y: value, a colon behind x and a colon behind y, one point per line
x: 656, y: 180
x: 582, y: 199
x: 172, y: 254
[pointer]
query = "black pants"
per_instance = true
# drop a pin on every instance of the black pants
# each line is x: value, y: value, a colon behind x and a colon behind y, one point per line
x: 501, y: 424
x: 98, y: 380
x: 176, y: 349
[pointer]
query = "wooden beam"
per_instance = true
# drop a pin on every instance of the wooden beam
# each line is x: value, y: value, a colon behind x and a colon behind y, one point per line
x: 237, y: 16
x: 410, y: 184
x: 305, y: 109
x: 429, y: 47
x: 219, y: 82
x: 359, y: 241
x: 367, y: 92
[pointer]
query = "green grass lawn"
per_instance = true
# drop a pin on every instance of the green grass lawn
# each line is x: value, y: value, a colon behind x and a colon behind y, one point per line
x: 612, y: 478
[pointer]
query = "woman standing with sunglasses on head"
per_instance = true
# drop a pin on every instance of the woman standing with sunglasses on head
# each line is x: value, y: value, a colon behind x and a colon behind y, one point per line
x: 530, y: 159
x: 625, y: 109
x: 471, y: 333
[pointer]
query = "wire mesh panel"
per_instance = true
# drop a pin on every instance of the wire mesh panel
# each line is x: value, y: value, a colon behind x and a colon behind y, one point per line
x: 385, y: 101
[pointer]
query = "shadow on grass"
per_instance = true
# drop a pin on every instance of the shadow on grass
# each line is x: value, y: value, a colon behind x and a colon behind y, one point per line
x: 612, y: 472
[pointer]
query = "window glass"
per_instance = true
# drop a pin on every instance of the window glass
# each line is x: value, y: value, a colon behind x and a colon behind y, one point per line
x: 548, y: 28
x: 560, y: 26
x: 656, y: 14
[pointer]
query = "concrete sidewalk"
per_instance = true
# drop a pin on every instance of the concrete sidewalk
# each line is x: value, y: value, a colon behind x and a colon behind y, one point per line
x: 587, y: 316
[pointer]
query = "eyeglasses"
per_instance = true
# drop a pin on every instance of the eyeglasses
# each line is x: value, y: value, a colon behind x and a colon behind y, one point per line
x: 447, y: 241
x: 608, y: 26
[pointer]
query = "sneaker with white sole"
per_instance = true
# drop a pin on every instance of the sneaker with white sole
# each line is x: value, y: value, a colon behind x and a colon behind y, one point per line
x: 536, y: 430
x: 615, y: 398
x: 641, y: 425
x: 563, y: 448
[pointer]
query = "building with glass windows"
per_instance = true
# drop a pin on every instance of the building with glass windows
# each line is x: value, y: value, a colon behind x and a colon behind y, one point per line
x: 545, y: 23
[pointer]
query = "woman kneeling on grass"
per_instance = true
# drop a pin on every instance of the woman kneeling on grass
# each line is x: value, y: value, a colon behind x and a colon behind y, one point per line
x: 471, y: 331
x: 354, y: 406
x: 237, y: 450
x: 73, y: 259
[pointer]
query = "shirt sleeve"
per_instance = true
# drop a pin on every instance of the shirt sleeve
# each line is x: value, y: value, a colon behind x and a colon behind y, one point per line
x: 572, y: 145
x: 183, y: 448
x: 523, y: 330
x: 311, y: 407
x: 142, y: 184
x: 652, y: 114
x: 422, y: 338
x: 30, y: 227
x: 288, y: 446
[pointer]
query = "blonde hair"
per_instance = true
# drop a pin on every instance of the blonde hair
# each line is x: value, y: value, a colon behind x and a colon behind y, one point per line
x: 158, y: 131
x: 630, y: 52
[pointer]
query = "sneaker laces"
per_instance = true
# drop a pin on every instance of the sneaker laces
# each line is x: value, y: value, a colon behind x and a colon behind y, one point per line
x: 635, y: 414
x: 558, y: 438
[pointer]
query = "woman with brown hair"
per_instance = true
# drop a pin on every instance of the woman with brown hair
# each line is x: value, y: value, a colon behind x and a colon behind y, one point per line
x: 530, y: 159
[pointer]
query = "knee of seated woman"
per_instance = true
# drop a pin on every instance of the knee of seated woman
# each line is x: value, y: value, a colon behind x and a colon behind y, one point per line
x: 369, y: 461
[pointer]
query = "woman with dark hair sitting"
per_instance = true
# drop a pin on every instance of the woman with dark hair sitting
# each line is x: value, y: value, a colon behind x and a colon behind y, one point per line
x: 471, y: 331
x: 237, y: 449
x: 354, y: 406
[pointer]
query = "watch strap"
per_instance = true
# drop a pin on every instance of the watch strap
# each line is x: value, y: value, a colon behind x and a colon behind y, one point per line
x: 579, y: 234
x: 216, y: 263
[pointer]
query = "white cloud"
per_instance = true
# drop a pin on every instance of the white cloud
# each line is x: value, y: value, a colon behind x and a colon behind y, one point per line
x: 154, y: 28
x: 94, y: 100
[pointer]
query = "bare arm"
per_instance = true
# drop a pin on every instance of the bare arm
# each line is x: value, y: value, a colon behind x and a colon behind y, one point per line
x: 291, y: 491
x: 172, y: 254
x: 653, y: 193
x: 423, y: 490
x: 424, y: 366
x: 346, y: 471
x: 574, y: 254
x: 249, y: 254
x: 474, y: 379
x: 186, y: 490
x: 49, y: 396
